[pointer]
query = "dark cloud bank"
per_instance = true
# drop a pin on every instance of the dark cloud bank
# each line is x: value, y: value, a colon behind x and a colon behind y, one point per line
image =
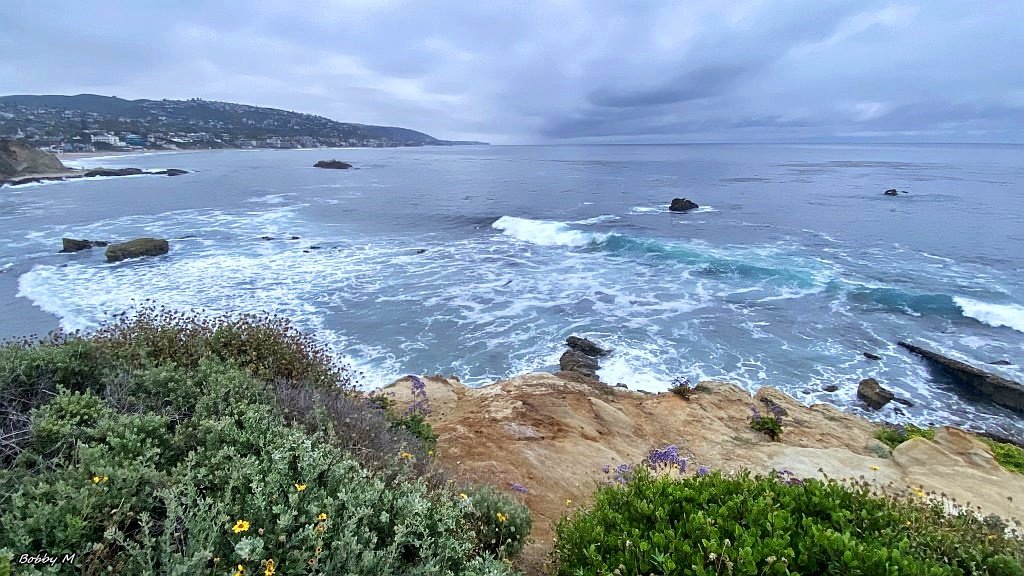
x: 554, y: 71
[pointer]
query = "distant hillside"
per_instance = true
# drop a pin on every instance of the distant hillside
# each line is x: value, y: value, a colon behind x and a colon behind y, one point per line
x: 54, y: 120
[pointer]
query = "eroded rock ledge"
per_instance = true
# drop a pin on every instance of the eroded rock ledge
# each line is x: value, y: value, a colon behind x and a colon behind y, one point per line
x: 554, y: 435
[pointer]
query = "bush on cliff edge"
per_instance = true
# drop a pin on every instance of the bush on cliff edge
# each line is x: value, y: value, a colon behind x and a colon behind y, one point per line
x: 747, y: 525
x: 174, y: 444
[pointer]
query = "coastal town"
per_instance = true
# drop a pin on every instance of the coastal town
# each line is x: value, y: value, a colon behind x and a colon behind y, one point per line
x: 88, y: 123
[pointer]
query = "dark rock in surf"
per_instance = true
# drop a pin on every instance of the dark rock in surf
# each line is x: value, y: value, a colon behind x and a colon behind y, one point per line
x: 892, y: 192
x: 333, y: 165
x: 585, y: 346
x: 871, y: 356
x: 421, y: 251
x: 136, y: 249
x: 72, y: 245
x: 266, y: 237
x: 1002, y: 391
x: 830, y: 388
x: 1001, y: 363
x: 682, y: 205
x: 578, y: 362
x: 172, y: 172
x: 873, y: 394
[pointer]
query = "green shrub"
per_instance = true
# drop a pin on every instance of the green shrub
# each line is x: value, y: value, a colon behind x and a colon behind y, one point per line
x: 770, y: 425
x: 500, y: 522
x: 180, y: 452
x: 893, y: 436
x: 269, y: 347
x: 744, y: 525
x: 1007, y: 455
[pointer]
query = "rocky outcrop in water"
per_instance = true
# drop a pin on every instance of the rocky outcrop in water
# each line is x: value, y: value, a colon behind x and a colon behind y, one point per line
x: 333, y: 165
x: 871, y: 356
x: 585, y: 346
x: 98, y: 172
x: 578, y: 362
x: 1002, y: 391
x: 682, y: 205
x: 72, y: 245
x: 873, y: 394
x: 136, y: 249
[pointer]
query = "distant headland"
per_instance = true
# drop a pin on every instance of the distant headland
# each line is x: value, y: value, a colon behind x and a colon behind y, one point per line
x: 89, y: 123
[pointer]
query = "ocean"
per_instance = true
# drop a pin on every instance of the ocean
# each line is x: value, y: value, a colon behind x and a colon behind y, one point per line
x: 480, y: 260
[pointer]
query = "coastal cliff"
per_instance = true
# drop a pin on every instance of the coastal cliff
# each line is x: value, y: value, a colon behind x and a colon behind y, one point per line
x: 555, y: 436
x: 19, y: 159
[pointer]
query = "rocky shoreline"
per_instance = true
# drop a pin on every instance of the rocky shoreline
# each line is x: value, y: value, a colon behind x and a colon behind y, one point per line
x: 91, y: 173
x: 561, y: 435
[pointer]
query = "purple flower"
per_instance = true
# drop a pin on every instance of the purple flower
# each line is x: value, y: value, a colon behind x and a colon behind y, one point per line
x: 703, y: 471
x: 606, y: 468
x: 622, y: 473
x: 419, y: 405
x: 666, y: 457
x: 519, y: 488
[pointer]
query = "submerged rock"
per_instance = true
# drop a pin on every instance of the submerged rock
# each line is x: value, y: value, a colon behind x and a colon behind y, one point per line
x: 578, y: 362
x: 1001, y: 363
x: 585, y: 346
x: 1002, y: 391
x: 830, y: 388
x: 871, y: 356
x: 172, y: 172
x: 333, y: 164
x: 872, y: 393
x: 682, y: 205
x: 136, y: 249
x: 892, y: 192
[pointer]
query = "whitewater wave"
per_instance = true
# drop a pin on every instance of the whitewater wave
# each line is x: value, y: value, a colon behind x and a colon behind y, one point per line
x: 546, y: 232
x: 995, y: 315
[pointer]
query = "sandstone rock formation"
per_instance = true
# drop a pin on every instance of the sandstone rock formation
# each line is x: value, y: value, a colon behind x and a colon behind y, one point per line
x: 18, y: 158
x: 554, y: 435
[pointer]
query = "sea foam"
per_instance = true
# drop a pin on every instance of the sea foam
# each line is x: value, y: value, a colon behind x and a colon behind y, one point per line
x: 546, y: 232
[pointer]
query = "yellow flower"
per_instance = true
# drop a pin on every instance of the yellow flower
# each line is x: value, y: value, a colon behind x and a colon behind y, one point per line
x: 269, y: 567
x: 299, y: 487
x: 240, y: 526
x: 99, y: 479
x: 405, y: 456
x: 240, y: 570
x: 875, y: 468
x: 568, y: 502
x: 502, y: 518
x: 463, y: 496
x: 430, y: 452
x: 322, y: 516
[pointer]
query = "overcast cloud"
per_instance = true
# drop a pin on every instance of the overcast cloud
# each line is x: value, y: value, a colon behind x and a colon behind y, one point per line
x: 555, y: 71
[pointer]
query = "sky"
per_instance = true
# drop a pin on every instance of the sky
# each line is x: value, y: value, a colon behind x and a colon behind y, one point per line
x: 555, y: 71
